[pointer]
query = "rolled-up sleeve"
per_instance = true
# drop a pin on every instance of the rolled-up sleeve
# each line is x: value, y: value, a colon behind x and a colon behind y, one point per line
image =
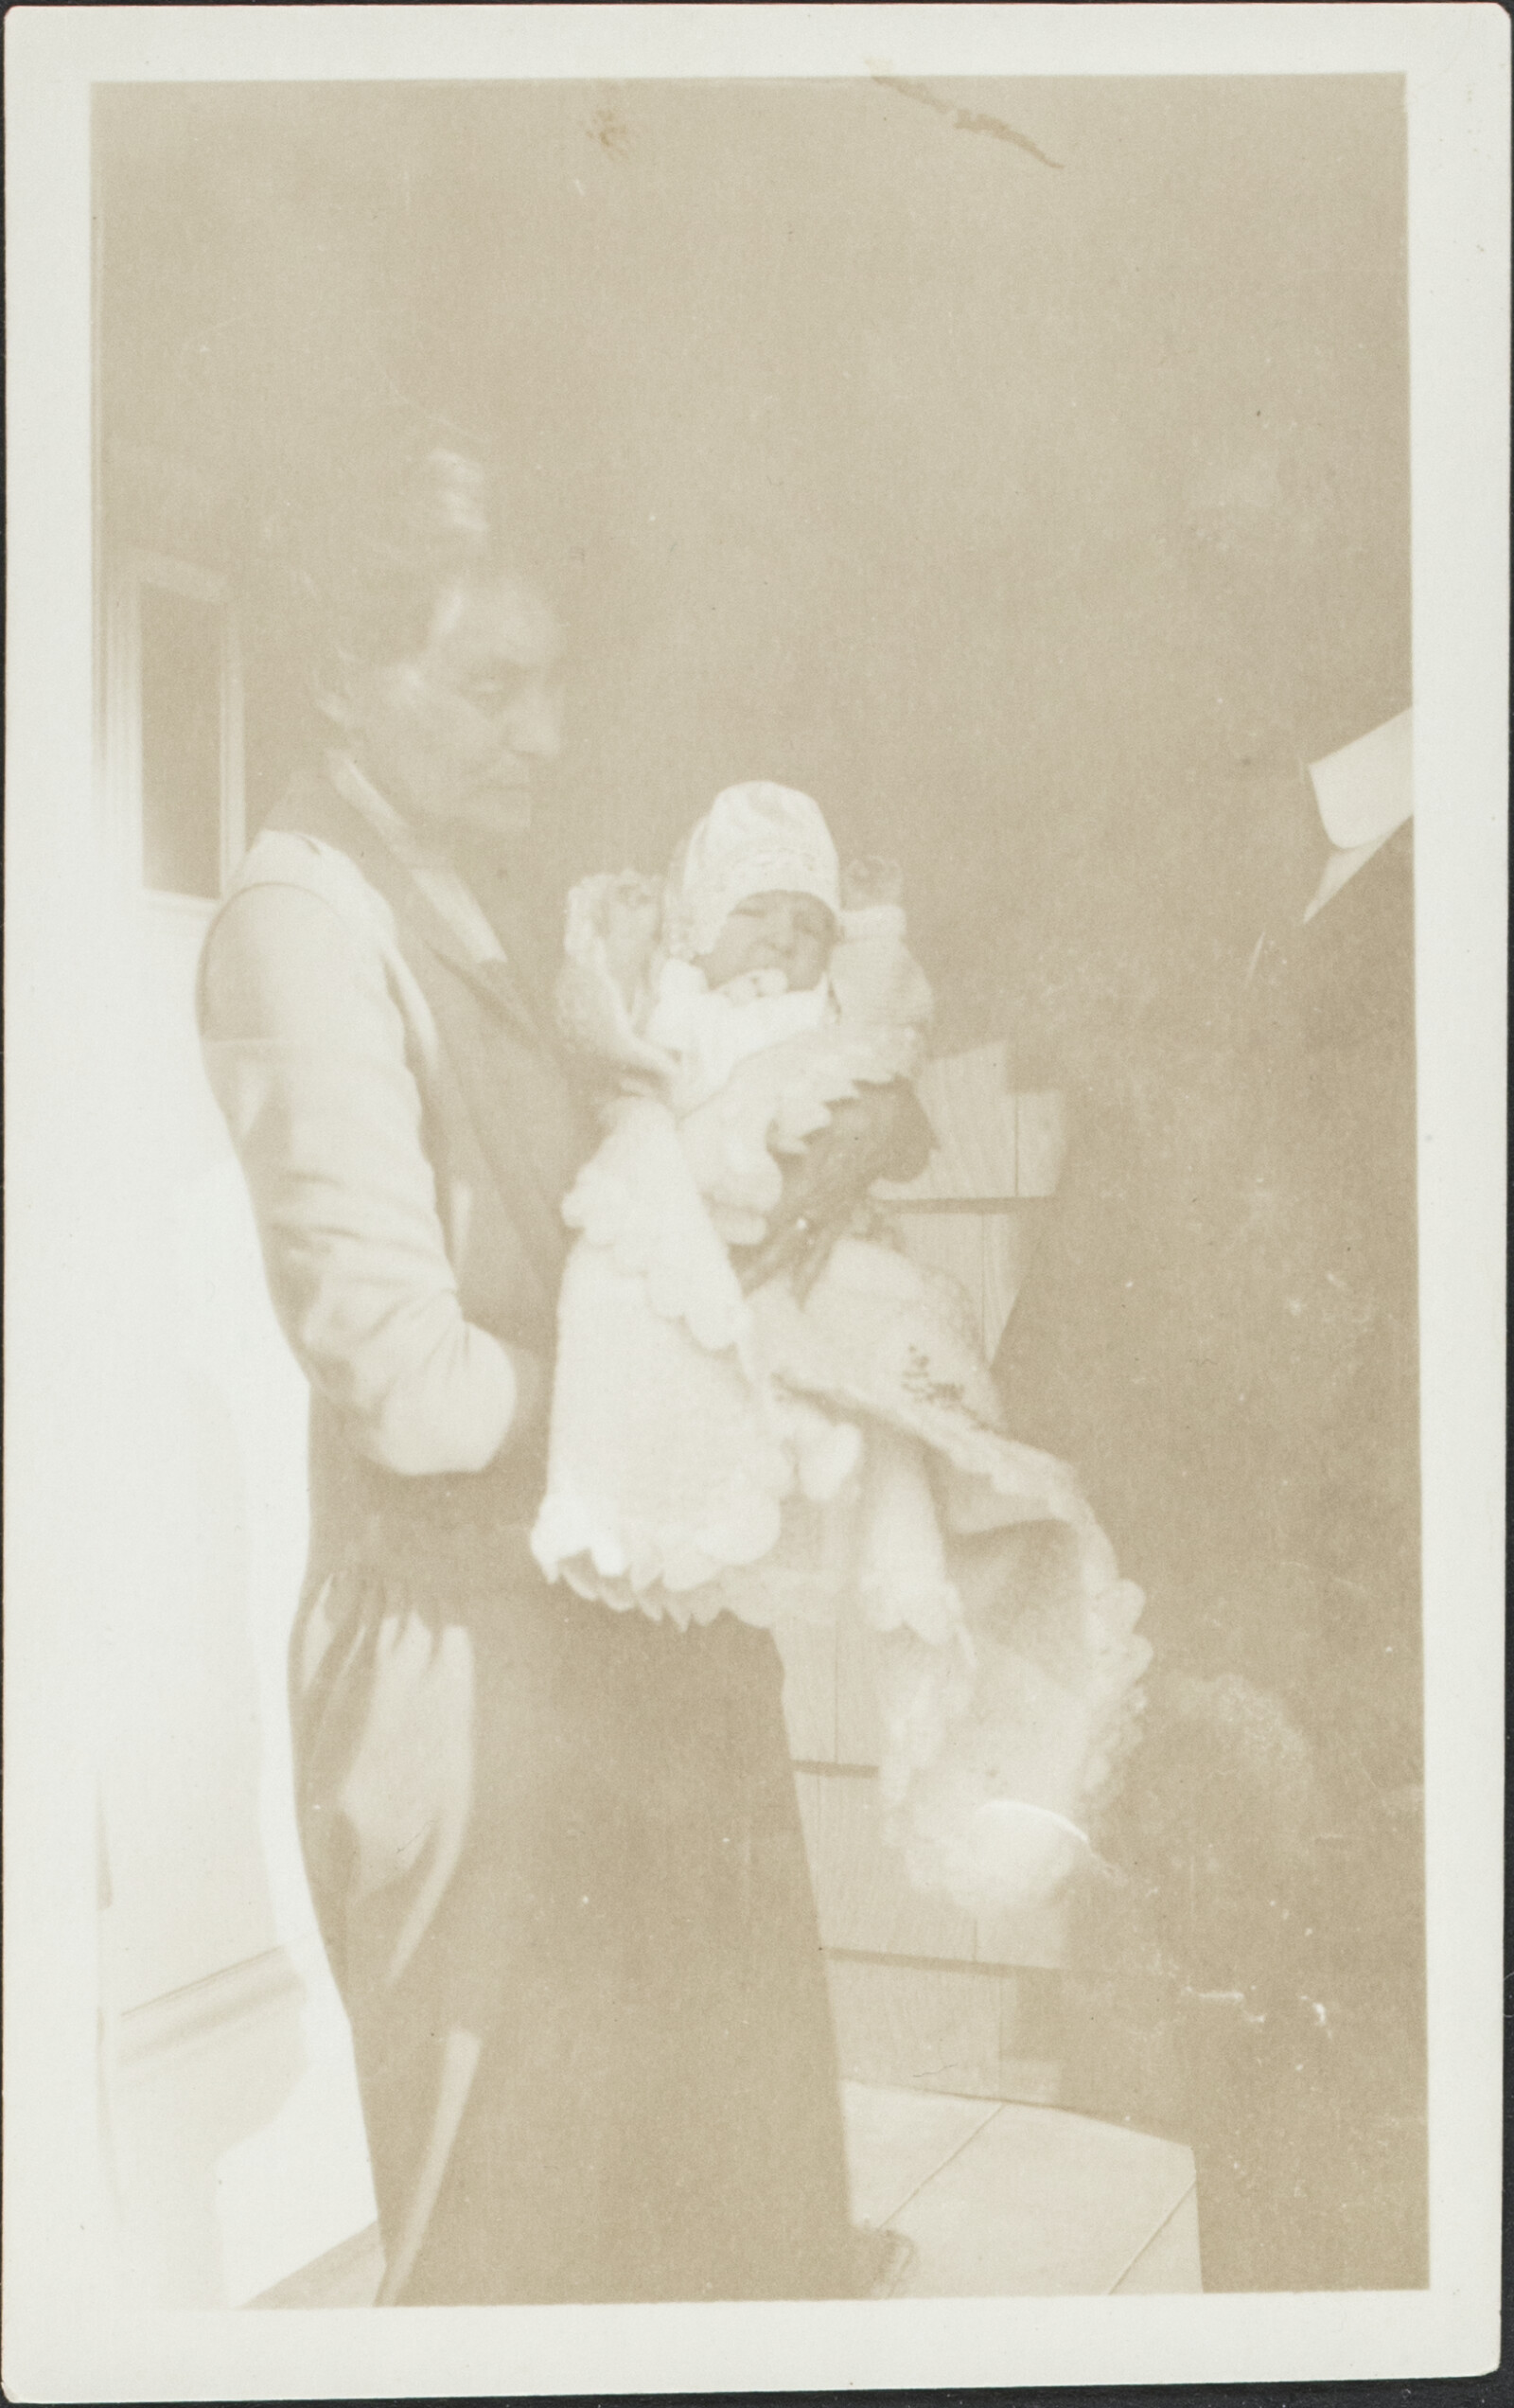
x: 305, y: 1047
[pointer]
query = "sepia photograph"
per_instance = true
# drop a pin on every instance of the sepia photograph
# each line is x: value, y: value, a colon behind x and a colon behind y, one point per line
x: 748, y: 1500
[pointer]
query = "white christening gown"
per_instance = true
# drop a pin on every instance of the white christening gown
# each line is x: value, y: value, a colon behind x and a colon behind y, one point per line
x: 713, y: 1452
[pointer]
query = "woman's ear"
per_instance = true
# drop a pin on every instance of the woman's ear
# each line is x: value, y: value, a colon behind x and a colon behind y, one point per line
x: 331, y: 687
x: 332, y: 694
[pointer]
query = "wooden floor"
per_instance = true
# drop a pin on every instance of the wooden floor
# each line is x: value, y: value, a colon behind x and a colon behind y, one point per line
x: 1003, y: 2201
x: 1000, y: 2201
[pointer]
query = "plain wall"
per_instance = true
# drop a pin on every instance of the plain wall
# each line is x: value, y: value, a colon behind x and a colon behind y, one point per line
x: 1043, y: 519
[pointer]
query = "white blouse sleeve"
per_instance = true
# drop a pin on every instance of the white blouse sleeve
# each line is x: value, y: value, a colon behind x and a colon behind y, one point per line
x: 305, y: 1048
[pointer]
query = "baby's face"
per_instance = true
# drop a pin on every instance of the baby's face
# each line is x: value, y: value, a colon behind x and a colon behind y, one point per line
x: 789, y: 932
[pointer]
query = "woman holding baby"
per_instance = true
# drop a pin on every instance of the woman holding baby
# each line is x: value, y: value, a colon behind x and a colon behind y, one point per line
x: 543, y: 1782
x: 554, y: 1851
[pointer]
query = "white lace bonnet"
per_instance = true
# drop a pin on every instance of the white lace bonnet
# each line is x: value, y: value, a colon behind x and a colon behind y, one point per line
x: 758, y: 839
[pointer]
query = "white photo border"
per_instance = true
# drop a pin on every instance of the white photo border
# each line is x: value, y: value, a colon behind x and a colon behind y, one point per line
x: 64, y: 2341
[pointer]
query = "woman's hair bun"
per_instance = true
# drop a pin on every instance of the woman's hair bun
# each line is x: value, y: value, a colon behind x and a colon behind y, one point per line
x: 362, y: 562
x: 437, y: 510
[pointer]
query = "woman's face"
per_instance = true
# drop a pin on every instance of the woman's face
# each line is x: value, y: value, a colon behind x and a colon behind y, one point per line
x: 789, y: 932
x: 455, y: 734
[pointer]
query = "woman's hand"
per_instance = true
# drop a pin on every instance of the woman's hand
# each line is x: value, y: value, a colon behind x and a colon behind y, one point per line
x: 881, y: 1133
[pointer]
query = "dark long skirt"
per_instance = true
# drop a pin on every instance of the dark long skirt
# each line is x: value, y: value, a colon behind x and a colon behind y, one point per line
x: 557, y: 1857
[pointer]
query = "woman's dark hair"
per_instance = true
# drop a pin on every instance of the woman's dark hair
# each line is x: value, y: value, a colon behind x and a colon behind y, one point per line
x: 360, y: 567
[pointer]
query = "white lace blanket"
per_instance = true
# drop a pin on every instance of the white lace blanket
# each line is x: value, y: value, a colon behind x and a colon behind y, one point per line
x: 699, y: 1465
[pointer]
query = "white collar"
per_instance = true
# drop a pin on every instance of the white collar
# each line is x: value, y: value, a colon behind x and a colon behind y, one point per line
x: 1364, y: 792
x: 444, y: 887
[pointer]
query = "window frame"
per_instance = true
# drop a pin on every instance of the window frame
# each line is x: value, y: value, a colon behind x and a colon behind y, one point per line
x: 133, y: 570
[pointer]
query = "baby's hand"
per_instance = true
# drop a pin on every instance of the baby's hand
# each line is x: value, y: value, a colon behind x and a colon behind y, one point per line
x: 871, y: 880
x: 630, y: 915
x: 755, y: 986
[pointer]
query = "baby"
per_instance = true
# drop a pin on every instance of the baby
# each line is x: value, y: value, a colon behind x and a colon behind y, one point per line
x: 759, y: 996
x: 836, y: 1452
x: 719, y: 962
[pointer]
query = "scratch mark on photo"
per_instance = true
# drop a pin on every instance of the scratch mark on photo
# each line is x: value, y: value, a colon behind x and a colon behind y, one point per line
x: 966, y: 120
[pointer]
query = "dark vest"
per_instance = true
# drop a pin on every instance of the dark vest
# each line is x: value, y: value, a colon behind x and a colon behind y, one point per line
x: 504, y: 1124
